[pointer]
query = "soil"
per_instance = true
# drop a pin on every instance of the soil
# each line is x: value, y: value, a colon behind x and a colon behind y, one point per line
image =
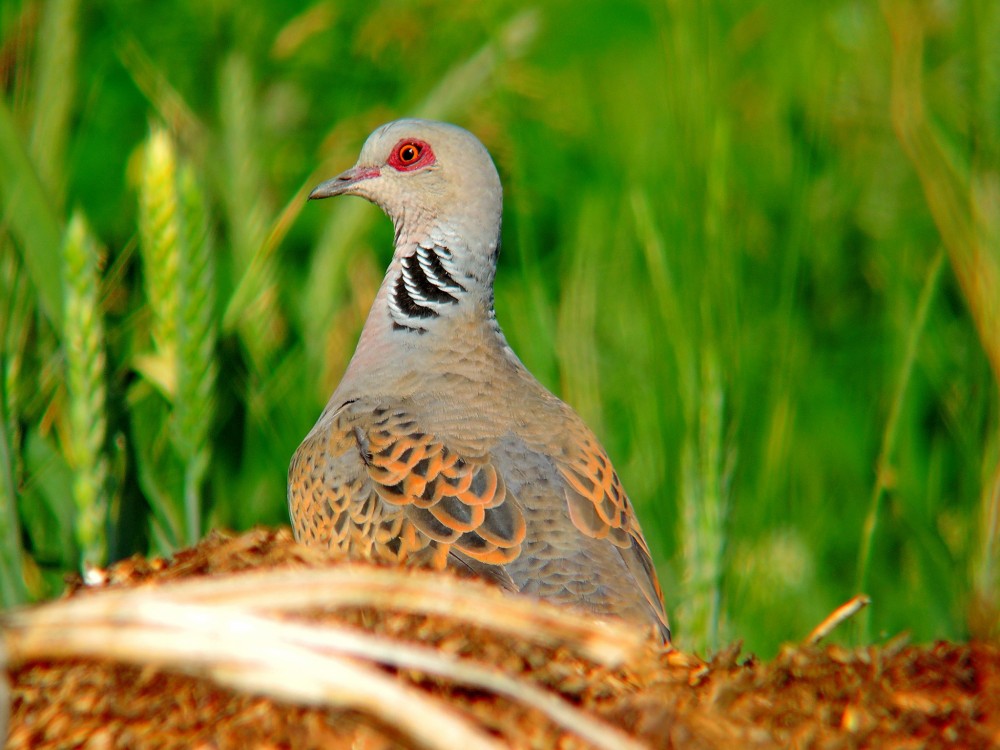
x: 942, y: 695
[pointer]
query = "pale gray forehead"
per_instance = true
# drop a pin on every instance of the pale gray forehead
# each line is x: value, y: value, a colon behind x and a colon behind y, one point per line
x: 441, y: 135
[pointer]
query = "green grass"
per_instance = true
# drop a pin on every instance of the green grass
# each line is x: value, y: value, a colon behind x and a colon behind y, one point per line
x: 756, y: 245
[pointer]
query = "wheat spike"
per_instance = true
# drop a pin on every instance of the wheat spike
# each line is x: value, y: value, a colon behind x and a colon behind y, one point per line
x: 159, y: 230
x: 85, y: 367
x: 196, y: 364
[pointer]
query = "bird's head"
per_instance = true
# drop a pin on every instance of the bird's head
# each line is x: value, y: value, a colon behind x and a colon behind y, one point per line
x: 430, y: 178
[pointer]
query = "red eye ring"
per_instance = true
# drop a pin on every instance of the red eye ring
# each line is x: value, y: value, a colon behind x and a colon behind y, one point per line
x: 410, y: 154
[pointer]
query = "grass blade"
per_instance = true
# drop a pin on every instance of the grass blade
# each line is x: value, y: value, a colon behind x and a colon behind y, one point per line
x: 883, y: 466
x: 33, y: 219
x: 12, y: 587
x: 55, y: 74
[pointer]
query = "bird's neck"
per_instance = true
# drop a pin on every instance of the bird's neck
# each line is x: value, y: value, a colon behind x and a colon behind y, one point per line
x: 437, y: 275
x: 437, y: 294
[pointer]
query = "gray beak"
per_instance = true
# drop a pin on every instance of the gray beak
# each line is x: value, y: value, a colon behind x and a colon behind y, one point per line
x: 344, y: 183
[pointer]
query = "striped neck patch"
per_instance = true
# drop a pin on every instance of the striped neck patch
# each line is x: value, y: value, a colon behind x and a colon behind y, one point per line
x: 424, y: 287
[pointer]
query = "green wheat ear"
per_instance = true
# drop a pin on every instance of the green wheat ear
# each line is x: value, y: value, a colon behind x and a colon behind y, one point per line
x: 159, y: 231
x: 85, y: 366
x: 161, y: 243
x: 196, y: 364
x: 180, y: 278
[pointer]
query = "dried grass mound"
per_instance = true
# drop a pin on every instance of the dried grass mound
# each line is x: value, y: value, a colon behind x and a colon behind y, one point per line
x: 254, y: 641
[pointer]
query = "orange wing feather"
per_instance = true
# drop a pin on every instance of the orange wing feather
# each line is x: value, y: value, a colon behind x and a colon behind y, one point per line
x: 599, y: 507
x: 409, y: 498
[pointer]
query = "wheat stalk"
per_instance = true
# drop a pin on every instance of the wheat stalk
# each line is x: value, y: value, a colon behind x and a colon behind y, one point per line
x: 83, y: 330
x: 17, y: 307
x: 253, y: 309
x: 196, y: 363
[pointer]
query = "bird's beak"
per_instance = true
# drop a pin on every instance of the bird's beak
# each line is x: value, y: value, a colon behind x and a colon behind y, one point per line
x: 344, y: 183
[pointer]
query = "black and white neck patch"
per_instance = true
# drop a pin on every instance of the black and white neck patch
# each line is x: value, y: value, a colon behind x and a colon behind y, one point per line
x: 425, y: 285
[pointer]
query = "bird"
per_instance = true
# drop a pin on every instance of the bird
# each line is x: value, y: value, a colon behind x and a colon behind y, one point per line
x: 439, y: 448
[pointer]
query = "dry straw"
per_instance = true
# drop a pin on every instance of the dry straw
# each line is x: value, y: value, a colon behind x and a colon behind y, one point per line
x: 234, y: 630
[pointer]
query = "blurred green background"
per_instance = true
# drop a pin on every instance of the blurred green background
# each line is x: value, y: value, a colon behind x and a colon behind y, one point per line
x: 755, y: 245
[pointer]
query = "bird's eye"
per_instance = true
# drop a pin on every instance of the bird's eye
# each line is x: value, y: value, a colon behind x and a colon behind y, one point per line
x: 409, y: 153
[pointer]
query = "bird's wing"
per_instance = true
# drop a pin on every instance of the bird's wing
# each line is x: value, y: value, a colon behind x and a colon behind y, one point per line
x: 434, y: 500
x: 599, y: 508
